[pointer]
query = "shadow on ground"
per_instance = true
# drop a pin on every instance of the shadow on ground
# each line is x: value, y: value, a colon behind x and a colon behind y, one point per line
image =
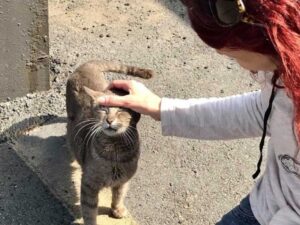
x: 177, y: 7
x: 24, y: 198
x: 44, y: 150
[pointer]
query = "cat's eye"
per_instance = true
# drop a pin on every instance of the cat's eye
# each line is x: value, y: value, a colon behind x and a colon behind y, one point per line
x: 123, y: 109
x: 102, y: 108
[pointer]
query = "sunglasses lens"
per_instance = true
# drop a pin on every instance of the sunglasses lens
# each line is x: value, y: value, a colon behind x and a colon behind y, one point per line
x: 227, y: 11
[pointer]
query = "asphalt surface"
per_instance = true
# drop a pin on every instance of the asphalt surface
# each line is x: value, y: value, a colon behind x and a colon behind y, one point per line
x: 24, y: 199
x: 179, y: 181
x: 44, y: 150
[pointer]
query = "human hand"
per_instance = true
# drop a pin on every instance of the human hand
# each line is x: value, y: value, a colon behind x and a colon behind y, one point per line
x: 139, y: 99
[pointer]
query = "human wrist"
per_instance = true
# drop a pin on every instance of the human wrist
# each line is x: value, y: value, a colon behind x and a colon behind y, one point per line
x: 155, y: 108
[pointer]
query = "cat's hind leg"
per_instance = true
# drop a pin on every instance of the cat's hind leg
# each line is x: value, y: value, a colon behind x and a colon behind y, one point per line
x: 118, y: 195
x: 89, y: 203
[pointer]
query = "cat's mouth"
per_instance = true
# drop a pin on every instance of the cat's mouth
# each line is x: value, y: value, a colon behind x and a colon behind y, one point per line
x: 111, y: 130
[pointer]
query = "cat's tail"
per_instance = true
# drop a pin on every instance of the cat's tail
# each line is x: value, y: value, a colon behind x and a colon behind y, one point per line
x: 106, y: 66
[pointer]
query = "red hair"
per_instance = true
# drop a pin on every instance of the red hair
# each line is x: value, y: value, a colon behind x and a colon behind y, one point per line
x: 279, y: 37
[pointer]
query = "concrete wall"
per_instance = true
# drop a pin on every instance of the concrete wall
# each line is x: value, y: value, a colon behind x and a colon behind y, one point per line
x: 24, y: 47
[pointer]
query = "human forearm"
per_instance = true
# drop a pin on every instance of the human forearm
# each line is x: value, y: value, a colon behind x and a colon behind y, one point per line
x: 213, y: 118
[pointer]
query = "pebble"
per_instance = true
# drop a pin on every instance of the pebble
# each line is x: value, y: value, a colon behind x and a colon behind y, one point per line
x: 195, y: 171
x: 56, y: 70
x: 30, y: 95
x: 55, y: 79
x: 56, y: 61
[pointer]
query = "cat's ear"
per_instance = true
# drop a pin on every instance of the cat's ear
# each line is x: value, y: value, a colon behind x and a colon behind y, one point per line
x: 93, y: 94
x: 136, y: 117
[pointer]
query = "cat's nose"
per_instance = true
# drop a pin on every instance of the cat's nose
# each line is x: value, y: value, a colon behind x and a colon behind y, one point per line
x: 109, y: 120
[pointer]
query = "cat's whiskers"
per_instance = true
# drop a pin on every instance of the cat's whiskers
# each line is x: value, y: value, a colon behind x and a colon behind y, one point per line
x: 91, y: 132
x: 131, y: 133
x: 90, y: 123
x: 132, y: 130
x: 91, y: 129
x: 125, y: 139
x: 132, y: 127
x: 96, y: 131
x: 85, y: 121
x: 129, y: 139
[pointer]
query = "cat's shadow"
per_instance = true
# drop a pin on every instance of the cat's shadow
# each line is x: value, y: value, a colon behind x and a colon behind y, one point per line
x: 44, y: 150
x: 104, y: 211
x: 101, y: 211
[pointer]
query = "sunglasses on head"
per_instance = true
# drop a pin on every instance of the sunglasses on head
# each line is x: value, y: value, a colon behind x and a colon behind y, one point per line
x: 228, y: 13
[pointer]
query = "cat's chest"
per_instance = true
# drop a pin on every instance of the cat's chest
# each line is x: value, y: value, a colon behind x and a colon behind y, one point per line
x: 111, y: 167
x: 114, y: 153
x: 110, y: 148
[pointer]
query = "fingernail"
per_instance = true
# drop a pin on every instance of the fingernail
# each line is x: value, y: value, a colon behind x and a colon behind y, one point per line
x: 101, y: 100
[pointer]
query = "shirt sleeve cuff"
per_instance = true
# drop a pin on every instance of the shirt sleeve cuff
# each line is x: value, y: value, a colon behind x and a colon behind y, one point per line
x: 166, y: 116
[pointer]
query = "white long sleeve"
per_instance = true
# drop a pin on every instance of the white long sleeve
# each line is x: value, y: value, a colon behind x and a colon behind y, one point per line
x: 231, y: 117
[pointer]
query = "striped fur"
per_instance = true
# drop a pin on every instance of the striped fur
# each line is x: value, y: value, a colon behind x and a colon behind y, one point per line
x: 104, y: 141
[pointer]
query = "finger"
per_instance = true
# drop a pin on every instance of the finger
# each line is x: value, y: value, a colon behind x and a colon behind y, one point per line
x: 120, y: 84
x: 113, y: 101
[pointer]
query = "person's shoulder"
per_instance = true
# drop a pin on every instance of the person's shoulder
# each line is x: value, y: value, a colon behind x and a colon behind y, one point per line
x: 262, y: 77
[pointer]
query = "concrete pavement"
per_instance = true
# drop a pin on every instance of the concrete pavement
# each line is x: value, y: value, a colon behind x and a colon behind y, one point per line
x: 45, y: 151
x: 179, y: 181
x: 24, y: 199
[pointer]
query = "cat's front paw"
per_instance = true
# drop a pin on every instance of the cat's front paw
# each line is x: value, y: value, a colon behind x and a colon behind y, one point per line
x: 119, y: 212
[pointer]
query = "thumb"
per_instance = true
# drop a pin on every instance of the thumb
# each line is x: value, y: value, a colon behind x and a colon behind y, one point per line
x: 110, y: 100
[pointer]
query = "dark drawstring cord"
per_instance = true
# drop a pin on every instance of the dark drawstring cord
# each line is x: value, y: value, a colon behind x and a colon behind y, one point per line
x: 262, y: 141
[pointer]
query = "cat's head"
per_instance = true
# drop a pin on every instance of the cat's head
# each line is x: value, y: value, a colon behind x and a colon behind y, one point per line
x: 112, y: 120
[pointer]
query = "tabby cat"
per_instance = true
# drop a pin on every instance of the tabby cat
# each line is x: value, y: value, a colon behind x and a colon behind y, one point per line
x: 104, y: 140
